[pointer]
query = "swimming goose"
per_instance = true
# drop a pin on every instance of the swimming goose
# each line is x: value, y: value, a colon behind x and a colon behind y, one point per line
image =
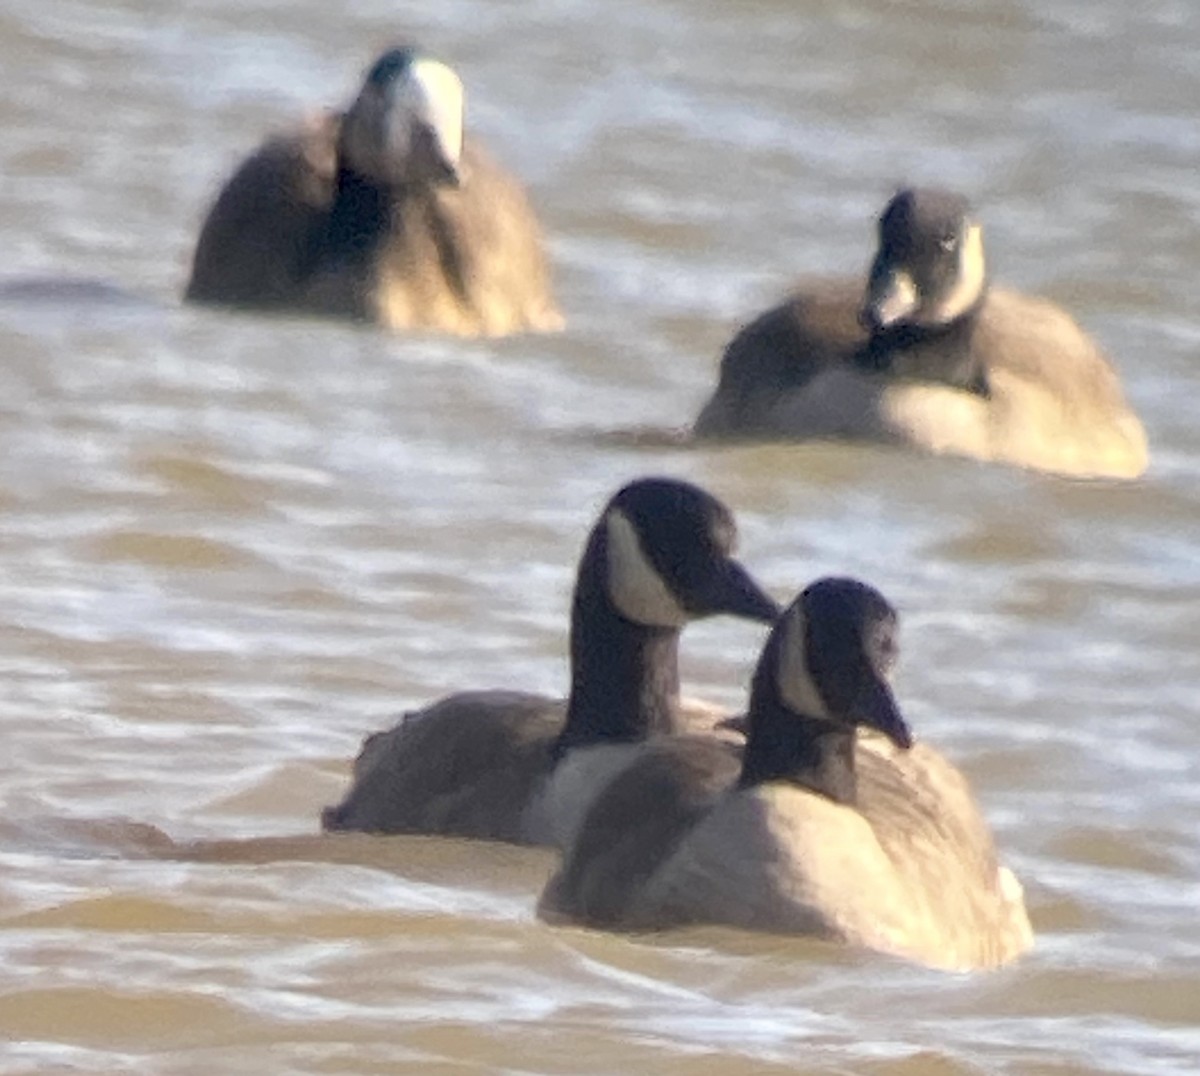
x: 383, y: 213
x: 928, y: 356
x: 520, y: 767
x: 861, y: 837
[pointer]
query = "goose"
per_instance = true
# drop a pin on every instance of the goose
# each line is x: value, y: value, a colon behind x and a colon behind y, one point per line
x: 927, y: 355
x: 833, y: 822
x: 384, y: 213
x: 521, y: 768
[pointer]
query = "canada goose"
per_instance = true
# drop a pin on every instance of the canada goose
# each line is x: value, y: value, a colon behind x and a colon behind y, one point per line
x: 521, y: 768
x: 383, y: 213
x: 866, y: 839
x: 926, y: 355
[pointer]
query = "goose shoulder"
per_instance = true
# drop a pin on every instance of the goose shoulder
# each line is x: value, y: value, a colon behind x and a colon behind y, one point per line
x: 254, y: 241
x: 1035, y: 339
x: 631, y: 825
x: 468, y: 260
x: 780, y: 352
x: 739, y: 865
x: 927, y: 820
x: 920, y: 791
x: 494, y: 250
x: 779, y: 859
x: 700, y: 736
x: 1057, y: 401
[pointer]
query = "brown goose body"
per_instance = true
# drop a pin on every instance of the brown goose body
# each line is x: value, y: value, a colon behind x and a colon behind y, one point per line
x: 312, y: 222
x: 899, y: 859
x: 483, y: 764
x: 998, y: 376
x: 523, y: 768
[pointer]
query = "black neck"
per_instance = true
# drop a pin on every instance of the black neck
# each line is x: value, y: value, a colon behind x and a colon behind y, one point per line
x: 624, y: 676
x: 782, y: 745
x: 364, y: 213
x: 938, y: 353
x: 360, y: 217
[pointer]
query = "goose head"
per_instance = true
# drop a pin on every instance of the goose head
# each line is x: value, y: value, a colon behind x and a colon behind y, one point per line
x: 666, y: 551
x: 829, y: 659
x: 406, y: 125
x: 929, y: 267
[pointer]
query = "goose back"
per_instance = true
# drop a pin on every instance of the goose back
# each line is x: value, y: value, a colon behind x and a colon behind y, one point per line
x: 483, y: 764
x: 464, y: 767
x: 911, y: 870
x: 254, y: 248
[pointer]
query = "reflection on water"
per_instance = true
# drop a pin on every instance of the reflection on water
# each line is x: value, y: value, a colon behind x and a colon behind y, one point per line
x: 231, y: 546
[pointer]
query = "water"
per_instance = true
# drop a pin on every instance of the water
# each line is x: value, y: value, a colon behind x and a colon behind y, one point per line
x: 230, y: 546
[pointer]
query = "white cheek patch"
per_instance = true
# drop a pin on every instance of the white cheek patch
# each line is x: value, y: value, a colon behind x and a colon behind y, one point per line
x: 433, y: 95
x: 635, y: 587
x: 898, y: 300
x: 971, y: 275
x: 797, y: 688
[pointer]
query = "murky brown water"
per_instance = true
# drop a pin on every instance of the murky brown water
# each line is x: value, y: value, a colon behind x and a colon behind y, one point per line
x: 230, y: 546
